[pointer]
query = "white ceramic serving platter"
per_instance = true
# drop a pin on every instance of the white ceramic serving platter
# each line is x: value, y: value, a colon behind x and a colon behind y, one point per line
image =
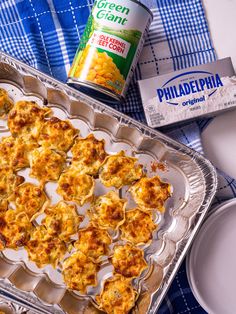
x: 211, y: 263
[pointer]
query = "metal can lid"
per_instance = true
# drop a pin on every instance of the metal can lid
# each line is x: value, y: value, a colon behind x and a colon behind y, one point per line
x: 144, y: 6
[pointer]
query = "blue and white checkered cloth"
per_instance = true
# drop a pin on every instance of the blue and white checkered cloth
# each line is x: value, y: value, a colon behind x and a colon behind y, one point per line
x: 45, y: 34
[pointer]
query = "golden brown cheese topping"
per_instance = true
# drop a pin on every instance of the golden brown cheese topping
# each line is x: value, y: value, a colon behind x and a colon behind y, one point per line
x: 138, y: 227
x: 57, y: 134
x: 8, y: 181
x: 62, y: 220
x: 74, y: 186
x: 93, y: 242
x: 79, y: 272
x: 26, y: 119
x: 30, y: 199
x: 128, y: 260
x: 88, y: 154
x: 151, y: 193
x: 118, y: 296
x: 46, y: 164
x: 44, y: 249
x: 15, y: 229
x: 3, y: 205
x: 119, y: 170
x: 14, y: 152
x: 6, y: 103
x: 108, y: 211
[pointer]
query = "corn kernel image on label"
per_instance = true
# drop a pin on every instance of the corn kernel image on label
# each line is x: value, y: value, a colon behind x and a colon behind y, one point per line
x: 110, y: 46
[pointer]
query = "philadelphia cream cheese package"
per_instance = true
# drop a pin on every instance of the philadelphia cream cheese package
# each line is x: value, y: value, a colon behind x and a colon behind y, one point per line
x: 182, y: 95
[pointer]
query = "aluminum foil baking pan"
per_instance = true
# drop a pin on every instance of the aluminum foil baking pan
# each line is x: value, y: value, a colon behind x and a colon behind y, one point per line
x: 192, y: 177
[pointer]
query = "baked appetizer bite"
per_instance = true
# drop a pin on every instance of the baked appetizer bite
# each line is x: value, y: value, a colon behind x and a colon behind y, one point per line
x: 46, y: 164
x: 44, y: 249
x: 15, y: 228
x: 8, y: 181
x: 76, y: 187
x: 88, y: 154
x: 62, y: 220
x: 151, y: 193
x: 3, y: 205
x: 138, y: 227
x: 79, y: 272
x: 30, y: 199
x: 128, y: 261
x: 6, y: 103
x: 119, y: 170
x: 118, y: 296
x: 14, y: 152
x: 108, y: 211
x: 93, y: 242
x: 26, y: 119
x: 57, y: 134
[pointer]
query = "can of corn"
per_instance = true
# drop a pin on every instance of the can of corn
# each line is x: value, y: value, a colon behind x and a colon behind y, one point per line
x: 110, y: 47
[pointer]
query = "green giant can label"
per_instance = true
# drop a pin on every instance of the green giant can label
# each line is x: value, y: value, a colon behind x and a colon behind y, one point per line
x: 110, y: 46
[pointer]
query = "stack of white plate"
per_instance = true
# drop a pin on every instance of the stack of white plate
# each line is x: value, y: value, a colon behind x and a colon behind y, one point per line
x: 211, y: 263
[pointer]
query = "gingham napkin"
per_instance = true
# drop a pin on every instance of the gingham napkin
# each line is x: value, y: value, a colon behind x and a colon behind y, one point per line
x: 45, y: 34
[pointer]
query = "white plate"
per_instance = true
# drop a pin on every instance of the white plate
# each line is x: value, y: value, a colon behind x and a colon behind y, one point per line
x: 219, y: 142
x: 219, y: 138
x: 211, y: 263
x: 222, y: 23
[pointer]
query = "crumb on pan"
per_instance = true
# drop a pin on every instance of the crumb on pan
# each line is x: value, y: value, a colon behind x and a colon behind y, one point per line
x: 155, y: 165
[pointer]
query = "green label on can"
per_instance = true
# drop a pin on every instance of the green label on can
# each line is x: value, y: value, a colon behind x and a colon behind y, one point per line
x: 110, y: 44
